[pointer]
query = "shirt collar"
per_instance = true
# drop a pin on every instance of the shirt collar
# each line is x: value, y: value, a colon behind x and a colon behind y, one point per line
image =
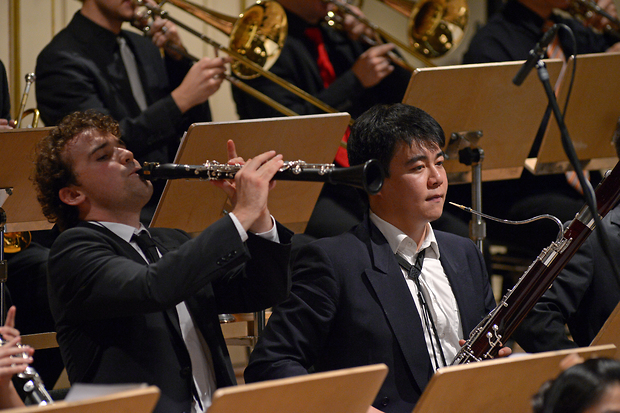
x: 400, y: 242
x: 121, y: 230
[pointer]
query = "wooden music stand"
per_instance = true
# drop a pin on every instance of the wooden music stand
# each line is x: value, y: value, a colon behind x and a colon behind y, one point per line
x: 16, y: 161
x: 340, y: 391
x: 140, y: 400
x: 610, y: 332
x: 192, y: 205
x: 482, y: 97
x: 501, y: 385
x: 591, y: 116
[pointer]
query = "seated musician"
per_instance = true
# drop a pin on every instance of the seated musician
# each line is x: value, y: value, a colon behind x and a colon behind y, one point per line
x: 592, y: 386
x: 138, y: 306
x: 583, y: 296
x: 356, y: 297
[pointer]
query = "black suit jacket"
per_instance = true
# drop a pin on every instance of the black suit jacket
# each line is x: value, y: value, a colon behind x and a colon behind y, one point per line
x: 350, y: 306
x: 112, y: 309
x: 582, y: 296
x: 81, y: 69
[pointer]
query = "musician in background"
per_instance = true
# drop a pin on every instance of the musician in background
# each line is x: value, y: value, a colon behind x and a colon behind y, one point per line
x: 592, y: 386
x: 94, y: 64
x: 11, y: 365
x: 138, y: 306
x: 5, y: 101
x: 583, y: 295
x: 332, y: 65
x: 509, y: 35
x: 356, y: 298
x: 513, y: 31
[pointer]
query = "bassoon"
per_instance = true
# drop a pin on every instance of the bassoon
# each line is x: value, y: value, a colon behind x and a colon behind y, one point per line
x: 494, y: 330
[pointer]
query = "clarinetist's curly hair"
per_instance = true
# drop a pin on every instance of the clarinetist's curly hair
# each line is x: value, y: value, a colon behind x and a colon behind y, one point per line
x: 53, y: 169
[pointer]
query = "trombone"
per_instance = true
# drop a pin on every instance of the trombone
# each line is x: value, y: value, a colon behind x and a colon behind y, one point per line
x: 584, y: 9
x: 434, y: 27
x: 239, y: 56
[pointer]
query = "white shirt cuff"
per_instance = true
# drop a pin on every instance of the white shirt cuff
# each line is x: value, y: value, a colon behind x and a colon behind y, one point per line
x: 271, y: 235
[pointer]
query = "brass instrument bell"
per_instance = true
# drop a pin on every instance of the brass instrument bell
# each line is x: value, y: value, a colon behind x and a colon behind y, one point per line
x: 258, y: 33
x: 16, y: 241
x: 437, y: 26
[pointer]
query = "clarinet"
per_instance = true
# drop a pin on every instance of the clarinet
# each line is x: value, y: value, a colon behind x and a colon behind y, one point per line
x: 494, y: 330
x: 368, y: 176
x: 31, y: 384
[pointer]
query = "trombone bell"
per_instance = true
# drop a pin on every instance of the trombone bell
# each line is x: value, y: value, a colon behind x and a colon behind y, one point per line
x: 259, y: 35
x: 437, y: 26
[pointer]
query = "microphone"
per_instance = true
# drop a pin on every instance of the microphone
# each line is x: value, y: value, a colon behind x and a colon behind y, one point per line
x: 535, y: 54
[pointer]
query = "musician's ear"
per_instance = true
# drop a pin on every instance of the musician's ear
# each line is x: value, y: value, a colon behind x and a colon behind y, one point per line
x: 71, y: 195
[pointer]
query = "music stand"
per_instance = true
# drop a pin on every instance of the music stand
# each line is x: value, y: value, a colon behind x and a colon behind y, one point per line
x: 349, y: 390
x: 193, y: 205
x: 482, y: 97
x: 141, y: 400
x: 591, y: 116
x: 501, y: 385
x: 16, y: 162
x: 610, y: 331
x: 480, y: 100
x: 19, y: 210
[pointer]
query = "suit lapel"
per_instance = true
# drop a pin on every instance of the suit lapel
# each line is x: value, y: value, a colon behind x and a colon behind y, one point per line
x: 393, y: 293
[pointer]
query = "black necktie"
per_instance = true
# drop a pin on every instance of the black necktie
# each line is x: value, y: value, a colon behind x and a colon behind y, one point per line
x: 146, y: 244
x: 413, y: 273
x: 148, y: 247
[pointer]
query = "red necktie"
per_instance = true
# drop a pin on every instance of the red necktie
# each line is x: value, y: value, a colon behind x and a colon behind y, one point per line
x: 328, y: 74
x: 325, y: 66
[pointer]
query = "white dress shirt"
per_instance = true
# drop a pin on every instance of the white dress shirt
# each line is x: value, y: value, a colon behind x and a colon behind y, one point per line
x: 433, y: 279
x: 199, y: 352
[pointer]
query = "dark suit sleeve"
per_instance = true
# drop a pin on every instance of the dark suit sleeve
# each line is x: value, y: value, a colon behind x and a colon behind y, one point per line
x: 264, y: 283
x: 91, y: 277
x: 298, y: 328
x: 544, y: 327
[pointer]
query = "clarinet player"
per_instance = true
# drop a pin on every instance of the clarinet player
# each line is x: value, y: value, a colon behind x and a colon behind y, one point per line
x: 133, y: 305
